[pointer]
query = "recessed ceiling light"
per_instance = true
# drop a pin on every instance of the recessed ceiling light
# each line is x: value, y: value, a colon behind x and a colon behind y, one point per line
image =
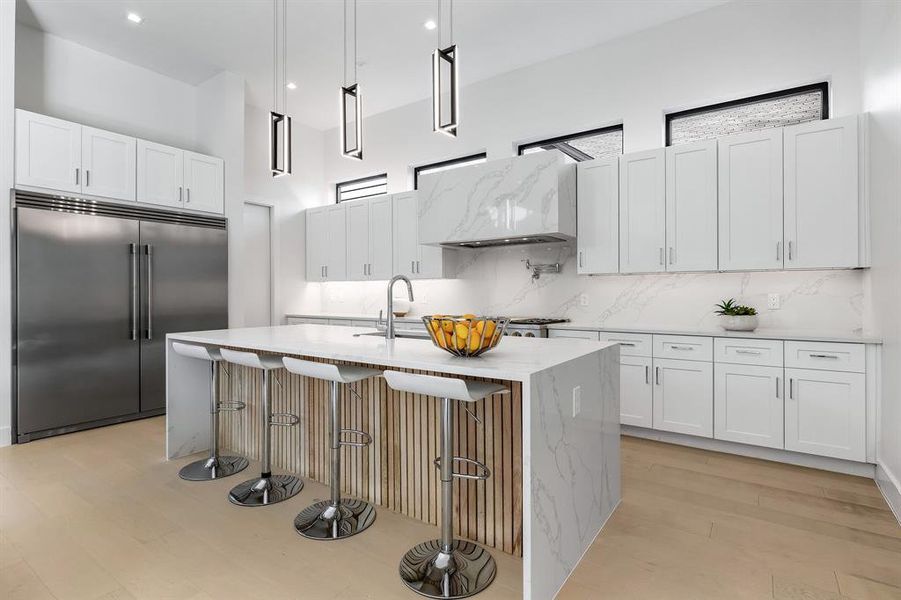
x: 135, y: 18
x: 430, y: 24
x: 291, y: 85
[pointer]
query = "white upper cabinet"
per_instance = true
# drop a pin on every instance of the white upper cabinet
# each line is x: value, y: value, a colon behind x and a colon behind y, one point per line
x: 380, y: 238
x: 108, y: 162
x: 410, y: 257
x: 335, y: 243
x: 48, y: 152
x: 369, y: 239
x: 822, y: 213
x: 597, y: 216
x: 204, y: 182
x: 316, y: 219
x: 160, y: 174
x: 357, y: 240
x: 691, y: 221
x: 642, y: 212
x: 750, y: 201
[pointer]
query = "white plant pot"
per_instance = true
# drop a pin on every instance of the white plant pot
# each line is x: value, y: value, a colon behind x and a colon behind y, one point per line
x: 739, y: 322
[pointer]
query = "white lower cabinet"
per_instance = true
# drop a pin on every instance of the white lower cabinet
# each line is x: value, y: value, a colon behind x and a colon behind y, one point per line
x: 683, y: 396
x: 825, y: 413
x: 748, y: 405
x: 636, y: 396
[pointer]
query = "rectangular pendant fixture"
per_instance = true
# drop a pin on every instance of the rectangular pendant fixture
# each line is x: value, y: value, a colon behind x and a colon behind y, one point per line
x: 279, y: 130
x: 352, y: 148
x: 446, y: 58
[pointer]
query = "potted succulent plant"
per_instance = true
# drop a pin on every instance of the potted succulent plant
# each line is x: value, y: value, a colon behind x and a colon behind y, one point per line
x: 736, y: 317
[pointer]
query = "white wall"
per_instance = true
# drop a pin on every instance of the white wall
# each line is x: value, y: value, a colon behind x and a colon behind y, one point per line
x: 733, y: 51
x: 66, y: 80
x: 881, y: 75
x: 7, y: 164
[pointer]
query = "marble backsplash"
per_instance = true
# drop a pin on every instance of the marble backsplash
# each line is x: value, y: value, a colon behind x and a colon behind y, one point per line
x: 495, y: 281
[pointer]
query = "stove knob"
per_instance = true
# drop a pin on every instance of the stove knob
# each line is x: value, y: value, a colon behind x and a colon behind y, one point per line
x: 530, y: 334
x: 516, y: 334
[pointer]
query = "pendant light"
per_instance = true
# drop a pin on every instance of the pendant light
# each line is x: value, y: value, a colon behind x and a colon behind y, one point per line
x: 351, y: 147
x: 447, y: 57
x: 279, y: 121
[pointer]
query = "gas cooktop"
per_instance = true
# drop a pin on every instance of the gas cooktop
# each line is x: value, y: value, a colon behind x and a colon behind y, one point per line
x: 536, y: 321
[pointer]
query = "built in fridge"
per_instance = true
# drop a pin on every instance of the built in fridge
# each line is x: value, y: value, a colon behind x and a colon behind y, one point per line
x: 97, y: 287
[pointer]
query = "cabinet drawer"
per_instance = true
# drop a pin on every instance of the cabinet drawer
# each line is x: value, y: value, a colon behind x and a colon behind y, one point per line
x: 826, y: 356
x: 744, y: 351
x: 685, y: 347
x: 572, y: 333
x: 630, y: 344
x: 363, y: 323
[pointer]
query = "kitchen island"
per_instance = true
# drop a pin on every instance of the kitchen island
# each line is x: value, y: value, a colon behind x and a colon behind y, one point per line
x: 552, y: 444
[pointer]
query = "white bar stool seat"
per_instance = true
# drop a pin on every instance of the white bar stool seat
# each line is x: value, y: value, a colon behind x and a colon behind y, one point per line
x: 268, y: 488
x: 216, y: 466
x: 337, y: 517
x: 447, y: 568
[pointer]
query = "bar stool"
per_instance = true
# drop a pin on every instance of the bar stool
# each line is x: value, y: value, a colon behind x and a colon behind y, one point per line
x: 214, y: 467
x: 337, y: 517
x: 447, y: 568
x: 268, y: 488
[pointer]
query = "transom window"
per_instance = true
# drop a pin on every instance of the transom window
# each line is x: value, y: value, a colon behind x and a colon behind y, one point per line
x: 776, y: 109
x: 446, y: 165
x: 366, y: 187
x: 585, y: 145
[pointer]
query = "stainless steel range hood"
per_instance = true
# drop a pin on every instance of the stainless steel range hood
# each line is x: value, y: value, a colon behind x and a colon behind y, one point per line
x: 527, y: 199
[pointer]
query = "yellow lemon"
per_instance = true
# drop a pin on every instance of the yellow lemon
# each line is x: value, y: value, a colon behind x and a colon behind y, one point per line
x: 490, y: 327
x: 449, y: 339
x: 461, y: 343
x: 480, y: 326
x: 474, y: 343
x: 439, y: 339
x: 448, y: 326
x: 469, y: 316
x: 435, y: 324
x: 462, y: 330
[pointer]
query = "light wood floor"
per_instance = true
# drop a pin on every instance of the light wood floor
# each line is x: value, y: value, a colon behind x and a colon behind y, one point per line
x: 100, y: 514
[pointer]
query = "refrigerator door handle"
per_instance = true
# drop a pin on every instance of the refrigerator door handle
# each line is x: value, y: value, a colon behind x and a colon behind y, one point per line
x: 148, y: 252
x: 133, y: 250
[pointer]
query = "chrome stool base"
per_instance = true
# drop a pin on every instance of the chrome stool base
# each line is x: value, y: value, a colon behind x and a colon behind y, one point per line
x: 209, y: 469
x: 264, y: 491
x: 466, y: 570
x: 323, y: 521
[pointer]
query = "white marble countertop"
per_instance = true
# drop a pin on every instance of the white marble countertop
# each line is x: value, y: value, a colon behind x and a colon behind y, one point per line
x: 514, y: 359
x: 760, y: 333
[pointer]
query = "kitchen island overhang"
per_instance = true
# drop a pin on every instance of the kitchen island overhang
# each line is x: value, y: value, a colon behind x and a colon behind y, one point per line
x: 566, y: 399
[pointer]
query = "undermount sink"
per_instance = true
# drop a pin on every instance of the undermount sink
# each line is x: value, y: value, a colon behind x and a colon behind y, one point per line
x: 411, y: 334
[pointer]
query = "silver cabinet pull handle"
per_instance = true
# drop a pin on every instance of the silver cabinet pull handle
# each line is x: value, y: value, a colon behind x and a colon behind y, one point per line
x: 133, y: 250
x: 789, y: 250
x: 678, y: 347
x: 661, y: 255
x: 148, y: 252
x: 754, y: 352
x: 777, y: 387
x: 412, y: 266
x: 791, y: 388
x: 188, y: 194
x: 672, y: 256
x: 417, y: 268
x: 778, y: 250
x: 631, y: 344
x: 77, y: 175
x: 832, y: 356
x: 87, y: 177
x: 179, y: 193
x: 647, y: 375
x: 580, y: 258
x: 657, y: 375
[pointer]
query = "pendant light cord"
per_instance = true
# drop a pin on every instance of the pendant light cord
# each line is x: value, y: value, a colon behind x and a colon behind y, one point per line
x: 354, y: 20
x: 283, y: 96
x: 450, y: 24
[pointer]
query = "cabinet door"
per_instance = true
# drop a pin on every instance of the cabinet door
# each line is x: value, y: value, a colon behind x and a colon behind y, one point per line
x: 160, y: 174
x: 204, y: 182
x: 635, y: 392
x: 405, y: 234
x: 108, y: 161
x: 48, y: 152
x: 822, y: 212
x: 642, y: 212
x: 380, y: 244
x: 335, y: 245
x: 750, y: 200
x: 825, y: 413
x: 316, y: 239
x: 748, y: 405
x: 683, y: 396
x: 691, y: 207
x: 597, y: 216
x: 357, y: 240
x: 573, y: 333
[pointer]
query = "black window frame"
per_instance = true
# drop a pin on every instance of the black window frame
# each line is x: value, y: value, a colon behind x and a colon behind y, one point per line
x: 822, y: 87
x: 521, y: 148
x: 445, y: 163
x: 338, y: 185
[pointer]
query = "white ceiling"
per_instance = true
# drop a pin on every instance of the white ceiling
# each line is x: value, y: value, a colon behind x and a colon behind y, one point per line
x: 192, y: 40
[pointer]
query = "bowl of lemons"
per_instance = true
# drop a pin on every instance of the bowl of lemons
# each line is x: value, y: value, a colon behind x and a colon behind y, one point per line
x: 465, y: 335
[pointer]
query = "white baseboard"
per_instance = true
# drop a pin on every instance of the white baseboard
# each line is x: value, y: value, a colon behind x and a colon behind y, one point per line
x: 5, y: 436
x: 837, y: 465
x: 890, y: 486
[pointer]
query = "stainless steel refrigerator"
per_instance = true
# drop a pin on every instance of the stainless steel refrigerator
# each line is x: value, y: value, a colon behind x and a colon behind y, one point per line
x: 97, y: 287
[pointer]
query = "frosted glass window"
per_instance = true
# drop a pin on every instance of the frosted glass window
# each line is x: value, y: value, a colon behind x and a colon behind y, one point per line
x: 597, y: 143
x: 362, y: 188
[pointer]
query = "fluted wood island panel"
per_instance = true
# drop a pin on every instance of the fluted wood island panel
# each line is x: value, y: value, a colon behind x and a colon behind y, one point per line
x: 396, y: 471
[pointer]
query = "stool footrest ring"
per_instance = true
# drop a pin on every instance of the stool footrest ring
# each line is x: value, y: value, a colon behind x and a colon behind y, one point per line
x: 290, y: 420
x: 482, y: 470
x: 365, y: 440
x: 231, y: 406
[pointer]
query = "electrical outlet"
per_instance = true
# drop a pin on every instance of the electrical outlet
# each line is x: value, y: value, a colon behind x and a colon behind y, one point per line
x: 583, y: 299
x: 774, y: 301
x: 577, y: 400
